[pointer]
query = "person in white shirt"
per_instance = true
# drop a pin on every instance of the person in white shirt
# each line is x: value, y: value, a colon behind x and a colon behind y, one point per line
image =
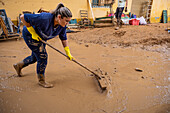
x: 119, y: 11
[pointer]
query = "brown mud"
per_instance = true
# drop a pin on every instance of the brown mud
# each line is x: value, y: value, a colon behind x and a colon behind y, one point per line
x: 118, y: 54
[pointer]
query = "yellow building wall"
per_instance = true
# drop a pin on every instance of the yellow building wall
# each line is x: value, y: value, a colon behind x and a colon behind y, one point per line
x: 15, y: 7
x: 157, y: 7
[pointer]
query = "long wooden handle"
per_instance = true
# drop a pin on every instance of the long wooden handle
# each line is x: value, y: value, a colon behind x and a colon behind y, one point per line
x: 72, y: 60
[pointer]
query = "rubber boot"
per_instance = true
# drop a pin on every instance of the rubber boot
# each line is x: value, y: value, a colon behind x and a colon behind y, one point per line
x: 18, y: 66
x: 43, y: 83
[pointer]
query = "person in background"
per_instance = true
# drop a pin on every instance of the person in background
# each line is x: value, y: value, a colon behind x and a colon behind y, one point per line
x: 43, y: 26
x: 119, y: 11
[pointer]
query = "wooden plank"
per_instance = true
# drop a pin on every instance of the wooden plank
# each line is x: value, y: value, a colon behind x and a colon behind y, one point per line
x: 104, y: 18
x: 2, y: 38
x: 103, y: 21
x: 3, y: 27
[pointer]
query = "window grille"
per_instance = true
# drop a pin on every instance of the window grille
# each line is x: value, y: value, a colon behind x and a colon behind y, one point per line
x: 102, y: 3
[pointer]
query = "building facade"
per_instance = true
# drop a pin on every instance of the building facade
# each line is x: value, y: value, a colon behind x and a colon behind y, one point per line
x: 100, y: 8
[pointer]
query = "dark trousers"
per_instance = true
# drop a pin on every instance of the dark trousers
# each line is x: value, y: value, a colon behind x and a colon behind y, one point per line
x: 38, y: 55
x: 119, y: 12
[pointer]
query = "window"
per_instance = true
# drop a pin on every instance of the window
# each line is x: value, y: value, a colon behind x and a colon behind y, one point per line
x: 95, y: 2
x: 102, y: 3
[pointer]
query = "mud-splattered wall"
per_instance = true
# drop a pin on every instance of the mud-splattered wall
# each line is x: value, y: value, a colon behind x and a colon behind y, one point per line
x: 139, y: 7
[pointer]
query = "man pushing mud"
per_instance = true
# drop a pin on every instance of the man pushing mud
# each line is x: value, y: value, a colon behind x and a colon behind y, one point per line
x: 43, y: 26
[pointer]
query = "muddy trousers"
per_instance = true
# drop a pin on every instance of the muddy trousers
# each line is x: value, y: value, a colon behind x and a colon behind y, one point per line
x: 38, y: 55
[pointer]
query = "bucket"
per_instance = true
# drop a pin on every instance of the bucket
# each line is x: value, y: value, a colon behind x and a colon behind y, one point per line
x: 134, y: 22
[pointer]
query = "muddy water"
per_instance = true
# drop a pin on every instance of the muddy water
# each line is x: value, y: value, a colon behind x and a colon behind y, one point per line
x: 74, y: 89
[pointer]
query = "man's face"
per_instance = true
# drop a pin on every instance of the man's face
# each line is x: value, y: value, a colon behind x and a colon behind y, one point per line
x: 63, y: 21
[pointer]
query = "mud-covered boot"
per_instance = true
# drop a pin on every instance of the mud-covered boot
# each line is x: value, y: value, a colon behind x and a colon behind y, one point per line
x: 118, y: 24
x: 117, y: 28
x: 18, y: 66
x: 43, y: 83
